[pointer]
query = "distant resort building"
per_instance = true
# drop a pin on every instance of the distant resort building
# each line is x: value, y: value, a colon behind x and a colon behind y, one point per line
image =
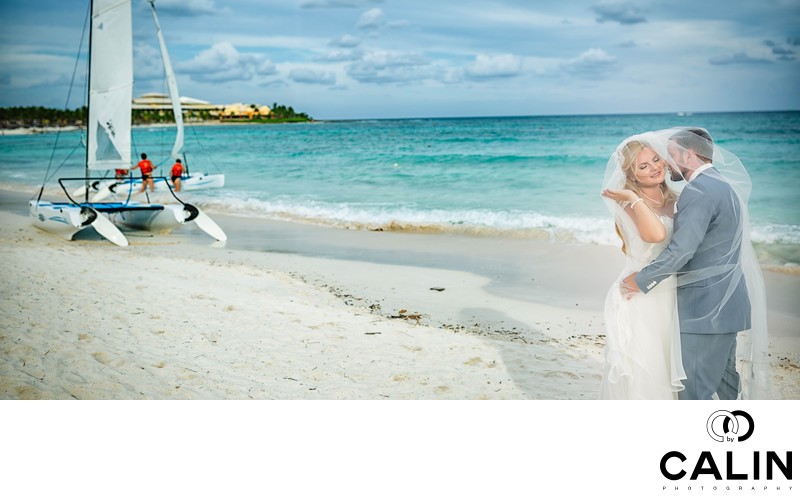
x: 196, y: 109
x: 161, y: 101
x: 235, y: 112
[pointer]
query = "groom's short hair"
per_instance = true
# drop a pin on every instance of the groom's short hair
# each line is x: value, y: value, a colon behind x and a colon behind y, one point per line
x: 696, y: 139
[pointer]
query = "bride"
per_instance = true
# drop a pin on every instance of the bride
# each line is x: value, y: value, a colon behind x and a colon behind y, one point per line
x: 643, y: 354
x: 643, y: 336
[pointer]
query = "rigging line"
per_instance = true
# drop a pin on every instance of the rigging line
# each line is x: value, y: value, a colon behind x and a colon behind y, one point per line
x: 207, y: 155
x: 122, y: 184
x: 130, y: 189
x: 66, y: 103
x: 48, y: 178
x: 186, y: 164
x: 135, y: 148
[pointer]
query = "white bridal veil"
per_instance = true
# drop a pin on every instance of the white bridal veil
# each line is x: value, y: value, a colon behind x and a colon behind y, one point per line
x: 730, y: 264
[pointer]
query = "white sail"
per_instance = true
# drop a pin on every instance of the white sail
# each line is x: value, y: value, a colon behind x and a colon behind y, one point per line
x: 172, y: 86
x: 110, y: 85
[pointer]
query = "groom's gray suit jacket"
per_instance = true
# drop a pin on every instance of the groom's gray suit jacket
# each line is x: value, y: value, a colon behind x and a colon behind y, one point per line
x: 707, y: 237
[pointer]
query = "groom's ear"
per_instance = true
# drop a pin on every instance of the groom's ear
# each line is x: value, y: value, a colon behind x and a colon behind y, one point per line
x: 696, y: 159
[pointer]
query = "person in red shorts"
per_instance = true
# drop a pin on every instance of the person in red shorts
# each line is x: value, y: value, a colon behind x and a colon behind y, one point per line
x: 177, y: 172
x: 146, y: 166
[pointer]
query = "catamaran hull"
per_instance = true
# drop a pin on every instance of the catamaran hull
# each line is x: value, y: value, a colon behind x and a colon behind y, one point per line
x: 169, y: 218
x: 66, y: 220
x: 163, y: 220
x: 202, y: 182
x: 59, y: 219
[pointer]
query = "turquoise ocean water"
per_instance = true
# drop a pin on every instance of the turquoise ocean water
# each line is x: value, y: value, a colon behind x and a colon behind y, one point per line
x: 509, y: 176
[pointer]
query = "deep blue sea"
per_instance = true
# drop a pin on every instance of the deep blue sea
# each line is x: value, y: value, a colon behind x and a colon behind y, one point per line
x: 507, y: 176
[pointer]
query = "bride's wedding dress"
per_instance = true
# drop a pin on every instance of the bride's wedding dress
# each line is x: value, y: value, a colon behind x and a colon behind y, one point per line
x: 643, y: 352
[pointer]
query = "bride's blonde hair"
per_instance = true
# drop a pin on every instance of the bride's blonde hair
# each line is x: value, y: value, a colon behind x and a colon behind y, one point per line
x: 630, y: 151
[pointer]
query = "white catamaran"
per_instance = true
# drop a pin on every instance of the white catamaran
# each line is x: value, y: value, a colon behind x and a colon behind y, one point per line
x: 108, y: 144
x: 103, y: 189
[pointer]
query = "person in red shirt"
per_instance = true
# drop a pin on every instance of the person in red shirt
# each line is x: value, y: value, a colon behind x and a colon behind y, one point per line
x: 146, y: 166
x: 177, y: 172
x: 120, y: 174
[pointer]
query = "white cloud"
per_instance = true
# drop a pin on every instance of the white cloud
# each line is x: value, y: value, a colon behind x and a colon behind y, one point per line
x: 189, y: 8
x: 346, y: 41
x: 389, y: 67
x: 401, y: 24
x: 371, y: 19
x: 621, y: 12
x: 494, y: 66
x: 312, y: 77
x: 529, y: 17
x: 738, y: 58
x: 147, y: 64
x: 435, y: 57
x: 222, y: 62
x: 593, y: 63
x: 780, y: 51
x: 341, y: 56
x: 333, y: 4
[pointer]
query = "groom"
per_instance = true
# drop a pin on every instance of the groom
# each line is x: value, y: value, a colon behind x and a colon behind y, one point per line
x: 713, y: 305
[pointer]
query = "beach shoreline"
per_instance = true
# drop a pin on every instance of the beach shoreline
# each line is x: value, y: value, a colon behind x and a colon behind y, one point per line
x: 36, y: 130
x: 291, y: 311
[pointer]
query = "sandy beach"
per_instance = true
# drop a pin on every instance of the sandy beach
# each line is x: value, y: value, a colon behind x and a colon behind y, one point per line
x: 290, y: 311
x: 36, y: 130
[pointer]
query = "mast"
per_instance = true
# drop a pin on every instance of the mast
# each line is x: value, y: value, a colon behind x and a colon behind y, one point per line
x: 88, y: 100
x: 172, y: 86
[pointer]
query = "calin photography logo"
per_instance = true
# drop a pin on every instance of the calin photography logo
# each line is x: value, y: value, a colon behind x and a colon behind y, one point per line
x: 727, y: 464
x: 730, y: 425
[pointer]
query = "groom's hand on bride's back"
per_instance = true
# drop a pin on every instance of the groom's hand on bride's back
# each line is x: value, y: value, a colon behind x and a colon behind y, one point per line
x: 628, y: 287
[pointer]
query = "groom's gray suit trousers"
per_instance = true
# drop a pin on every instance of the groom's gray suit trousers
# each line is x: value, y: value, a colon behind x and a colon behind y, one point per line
x: 705, y: 367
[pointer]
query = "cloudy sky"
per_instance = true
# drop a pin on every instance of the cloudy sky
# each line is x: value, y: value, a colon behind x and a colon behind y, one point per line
x: 346, y: 59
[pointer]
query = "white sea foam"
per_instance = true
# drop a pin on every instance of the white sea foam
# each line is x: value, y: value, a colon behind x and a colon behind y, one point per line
x: 374, y: 216
x: 388, y: 216
x: 408, y: 218
x: 776, y: 234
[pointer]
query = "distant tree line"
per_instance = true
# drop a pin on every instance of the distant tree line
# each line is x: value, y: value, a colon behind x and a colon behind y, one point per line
x: 152, y: 116
x: 27, y: 117
x: 284, y: 113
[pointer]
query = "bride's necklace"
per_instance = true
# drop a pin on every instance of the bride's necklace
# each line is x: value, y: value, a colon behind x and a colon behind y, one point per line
x: 655, y: 202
